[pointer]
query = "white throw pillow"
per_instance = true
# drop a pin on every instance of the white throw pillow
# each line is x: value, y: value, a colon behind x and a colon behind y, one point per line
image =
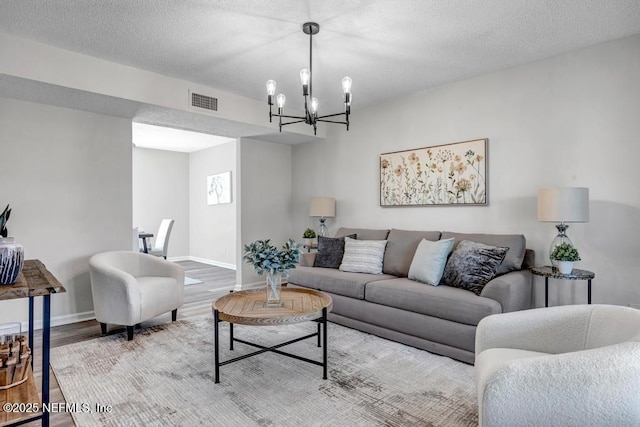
x: 429, y: 261
x: 363, y: 256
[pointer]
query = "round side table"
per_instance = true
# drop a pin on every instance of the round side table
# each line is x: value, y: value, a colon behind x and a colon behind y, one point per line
x: 547, y: 271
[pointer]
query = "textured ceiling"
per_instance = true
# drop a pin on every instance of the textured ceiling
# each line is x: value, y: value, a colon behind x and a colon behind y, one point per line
x: 389, y: 47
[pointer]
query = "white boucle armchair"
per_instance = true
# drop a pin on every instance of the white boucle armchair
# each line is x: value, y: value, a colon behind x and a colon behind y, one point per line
x: 575, y: 365
x: 131, y: 287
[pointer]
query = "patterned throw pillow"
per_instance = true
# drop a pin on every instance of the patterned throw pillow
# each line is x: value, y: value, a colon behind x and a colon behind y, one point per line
x: 330, y: 251
x: 363, y: 256
x: 472, y: 265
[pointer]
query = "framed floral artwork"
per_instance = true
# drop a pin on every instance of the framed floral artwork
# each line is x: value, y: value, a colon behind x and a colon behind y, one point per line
x: 450, y: 174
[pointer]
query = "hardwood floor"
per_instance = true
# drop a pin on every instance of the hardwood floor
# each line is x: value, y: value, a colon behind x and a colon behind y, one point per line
x: 216, y: 281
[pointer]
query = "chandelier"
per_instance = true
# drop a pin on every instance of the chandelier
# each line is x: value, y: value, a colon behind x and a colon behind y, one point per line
x: 311, y: 116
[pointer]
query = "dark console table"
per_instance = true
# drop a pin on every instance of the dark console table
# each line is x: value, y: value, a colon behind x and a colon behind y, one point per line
x: 34, y: 281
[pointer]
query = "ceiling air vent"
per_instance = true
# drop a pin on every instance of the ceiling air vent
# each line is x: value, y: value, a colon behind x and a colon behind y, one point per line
x: 203, y: 101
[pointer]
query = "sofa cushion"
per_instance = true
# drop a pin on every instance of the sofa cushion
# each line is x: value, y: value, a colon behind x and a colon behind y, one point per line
x: 429, y: 261
x: 401, y: 246
x: 363, y: 233
x: 445, y: 302
x: 472, y: 265
x: 363, y: 256
x: 515, y: 242
x: 334, y: 281
x: 330, y: 251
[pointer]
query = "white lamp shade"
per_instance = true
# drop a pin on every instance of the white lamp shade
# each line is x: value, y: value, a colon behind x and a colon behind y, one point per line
x: 570, y: 204
x: 323, y: 207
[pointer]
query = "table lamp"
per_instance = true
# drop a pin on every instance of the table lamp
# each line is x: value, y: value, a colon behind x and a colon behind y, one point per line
x: 322, y: 207
x: 562, y: 205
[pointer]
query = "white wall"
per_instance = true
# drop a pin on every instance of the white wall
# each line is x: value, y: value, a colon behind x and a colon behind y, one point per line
x: 67, y: 176
x: 212, y: 227
x: 571, y: 120
x: 74, y: 70
x: 264, y: 192
x: 161, y: 190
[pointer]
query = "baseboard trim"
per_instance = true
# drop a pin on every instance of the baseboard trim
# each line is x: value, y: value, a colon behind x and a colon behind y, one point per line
x: 243, y: 287
x: 61, y: 320
x: 210, y: 262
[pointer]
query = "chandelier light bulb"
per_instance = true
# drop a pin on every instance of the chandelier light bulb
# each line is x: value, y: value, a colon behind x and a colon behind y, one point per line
x: 305, y: 75
x: 280, y: 100
x: 314, y: 105
x: 271, y: 87
x: 346, y: 85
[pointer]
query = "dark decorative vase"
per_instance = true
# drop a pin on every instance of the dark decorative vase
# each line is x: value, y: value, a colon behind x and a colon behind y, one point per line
x: 11, y: 260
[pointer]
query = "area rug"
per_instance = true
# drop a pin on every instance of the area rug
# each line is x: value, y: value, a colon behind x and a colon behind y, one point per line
x: 190, y: 281
x: 165, y: 377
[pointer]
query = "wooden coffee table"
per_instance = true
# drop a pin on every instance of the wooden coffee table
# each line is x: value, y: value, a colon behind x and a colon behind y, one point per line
x: 249, y: 308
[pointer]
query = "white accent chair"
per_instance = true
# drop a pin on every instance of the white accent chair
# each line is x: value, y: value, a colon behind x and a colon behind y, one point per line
x: 161, y: 244
x: 131, y: 287
x: 576, y: 365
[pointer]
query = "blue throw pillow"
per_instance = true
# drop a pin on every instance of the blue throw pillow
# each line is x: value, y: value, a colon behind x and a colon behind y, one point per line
x: 429, y: 261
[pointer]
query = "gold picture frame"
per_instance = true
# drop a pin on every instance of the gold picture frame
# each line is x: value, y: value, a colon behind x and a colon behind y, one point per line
x: 443, y: 175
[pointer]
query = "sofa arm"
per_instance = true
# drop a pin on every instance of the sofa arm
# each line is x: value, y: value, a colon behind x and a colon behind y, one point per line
x: 549, y: 330
x: 512, y: 290
x: 307, y: 259
x: 592, y: 387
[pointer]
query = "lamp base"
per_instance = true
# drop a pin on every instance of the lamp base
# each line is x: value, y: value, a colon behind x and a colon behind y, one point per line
x: 559, y: 239
x: 323, y: 230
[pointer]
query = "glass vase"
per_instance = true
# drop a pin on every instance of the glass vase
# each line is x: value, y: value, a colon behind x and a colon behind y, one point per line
x: 558, y: 240
x: 274, y: 286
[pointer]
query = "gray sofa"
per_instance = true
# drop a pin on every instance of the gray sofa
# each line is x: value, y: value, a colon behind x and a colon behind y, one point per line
x: 439, y: 319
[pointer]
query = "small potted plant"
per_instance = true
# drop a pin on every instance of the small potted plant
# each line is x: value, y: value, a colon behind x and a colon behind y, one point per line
x: 308, y: 236
x: 265, y: 257
x: 565, y: 254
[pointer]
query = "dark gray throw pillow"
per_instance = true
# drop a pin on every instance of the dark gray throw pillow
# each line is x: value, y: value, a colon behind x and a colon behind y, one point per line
x: 330, y: 251
x: 472, y: 265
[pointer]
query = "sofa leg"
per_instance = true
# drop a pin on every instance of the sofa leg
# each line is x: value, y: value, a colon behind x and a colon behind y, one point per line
x: 174, y: 315
x: 129, y: 333
x: 103, y: 328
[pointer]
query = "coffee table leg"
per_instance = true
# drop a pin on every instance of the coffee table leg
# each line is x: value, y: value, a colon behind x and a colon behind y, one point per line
x: 216, y: 321
x: 324, y: 346
x: 230, y: 336
x: 589, y: 292
x: 319, y: 344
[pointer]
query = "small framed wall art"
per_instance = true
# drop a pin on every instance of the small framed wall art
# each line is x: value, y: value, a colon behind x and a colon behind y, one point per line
x: 449, y: 174
x: 219, y: 188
